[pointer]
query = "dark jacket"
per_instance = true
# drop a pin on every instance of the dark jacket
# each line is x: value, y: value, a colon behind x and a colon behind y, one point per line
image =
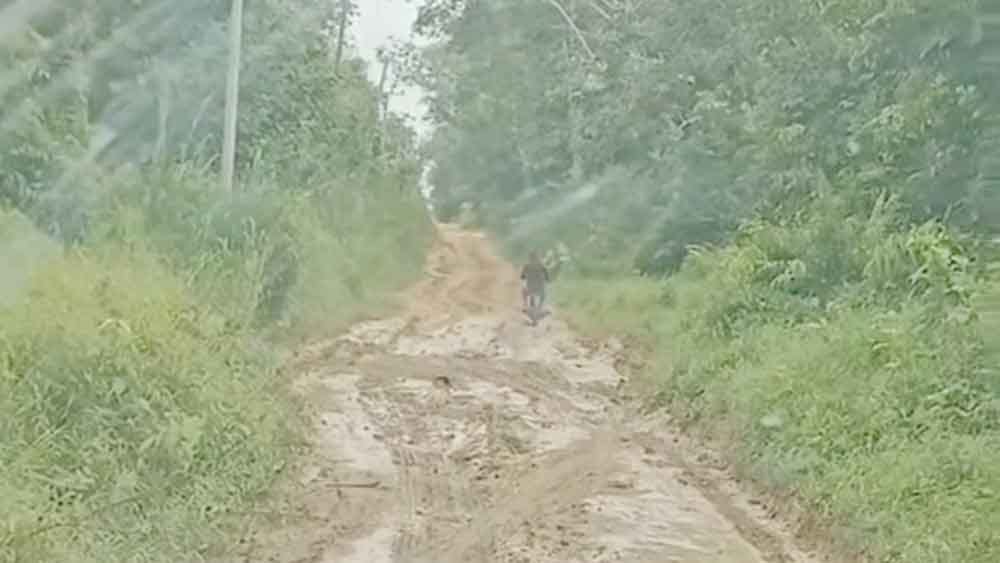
x: 535, y: 276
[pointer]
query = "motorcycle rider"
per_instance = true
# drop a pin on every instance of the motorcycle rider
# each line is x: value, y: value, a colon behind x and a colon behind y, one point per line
x: 534, y: 276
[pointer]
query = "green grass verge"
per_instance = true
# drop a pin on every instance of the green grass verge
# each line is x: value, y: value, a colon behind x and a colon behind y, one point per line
x: 881, y: 416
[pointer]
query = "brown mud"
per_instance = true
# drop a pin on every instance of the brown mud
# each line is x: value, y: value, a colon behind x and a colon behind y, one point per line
x: 458, y: 433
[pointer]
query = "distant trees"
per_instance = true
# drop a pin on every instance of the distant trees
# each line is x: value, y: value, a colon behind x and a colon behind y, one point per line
x: 692, y: 118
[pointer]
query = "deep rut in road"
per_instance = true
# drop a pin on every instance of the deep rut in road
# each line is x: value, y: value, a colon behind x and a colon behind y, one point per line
x: 458, y: 433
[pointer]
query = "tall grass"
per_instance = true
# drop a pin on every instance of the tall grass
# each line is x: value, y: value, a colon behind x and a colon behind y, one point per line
x: 133, y: 416
x: 846, y: 360
x: 139, y: 417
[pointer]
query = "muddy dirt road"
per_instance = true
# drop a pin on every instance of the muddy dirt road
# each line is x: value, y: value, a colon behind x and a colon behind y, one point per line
x: 457, y: 433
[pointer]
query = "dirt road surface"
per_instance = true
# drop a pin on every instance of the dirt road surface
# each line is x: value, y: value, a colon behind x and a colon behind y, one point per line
x: 457, y: 433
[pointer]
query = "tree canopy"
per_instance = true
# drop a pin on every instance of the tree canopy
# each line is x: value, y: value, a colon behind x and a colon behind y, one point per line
x: 637, y: 129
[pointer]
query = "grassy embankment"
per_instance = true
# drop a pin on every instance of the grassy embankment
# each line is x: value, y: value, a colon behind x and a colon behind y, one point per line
x: 137, y: 409
x: 138, y: 364
x: 845, y: 363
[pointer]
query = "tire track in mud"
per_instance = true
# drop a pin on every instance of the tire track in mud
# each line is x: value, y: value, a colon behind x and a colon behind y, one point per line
x: 490, y: 441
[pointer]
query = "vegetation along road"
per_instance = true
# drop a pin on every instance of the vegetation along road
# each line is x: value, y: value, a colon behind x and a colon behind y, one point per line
x: 248, y: 314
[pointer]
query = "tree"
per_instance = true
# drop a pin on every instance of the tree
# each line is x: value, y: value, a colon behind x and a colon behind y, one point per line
x: 693, y: 118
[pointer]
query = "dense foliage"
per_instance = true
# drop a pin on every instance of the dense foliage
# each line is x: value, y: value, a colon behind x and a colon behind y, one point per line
x: 681, y: 121
x: 141, y: 306
x: 818, y: 181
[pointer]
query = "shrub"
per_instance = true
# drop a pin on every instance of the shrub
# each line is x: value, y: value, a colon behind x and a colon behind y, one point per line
x: 135, y: 417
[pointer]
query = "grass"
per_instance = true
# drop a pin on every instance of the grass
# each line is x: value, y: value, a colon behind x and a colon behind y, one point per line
x: 878, y: 409
x: 139, y: 416
x: 133, y: 416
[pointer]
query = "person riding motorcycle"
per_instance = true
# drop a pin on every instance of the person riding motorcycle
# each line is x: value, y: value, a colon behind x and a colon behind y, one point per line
x: 534, y: 276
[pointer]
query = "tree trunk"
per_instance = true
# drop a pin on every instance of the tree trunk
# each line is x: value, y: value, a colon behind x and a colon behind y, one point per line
x: 341, y: 32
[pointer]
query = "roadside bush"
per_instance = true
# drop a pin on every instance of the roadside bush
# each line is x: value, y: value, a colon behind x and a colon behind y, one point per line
x: 843, y: 359
x: 134, y: 416
x: 138, y: 413
x: 142, y: 415
x: 836, y: 407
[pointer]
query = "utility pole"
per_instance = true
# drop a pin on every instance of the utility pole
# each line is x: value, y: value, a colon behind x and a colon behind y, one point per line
x: 383, y: 96
x: 232, y: 95
x: 383, y: 103
x: 163, y: 107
